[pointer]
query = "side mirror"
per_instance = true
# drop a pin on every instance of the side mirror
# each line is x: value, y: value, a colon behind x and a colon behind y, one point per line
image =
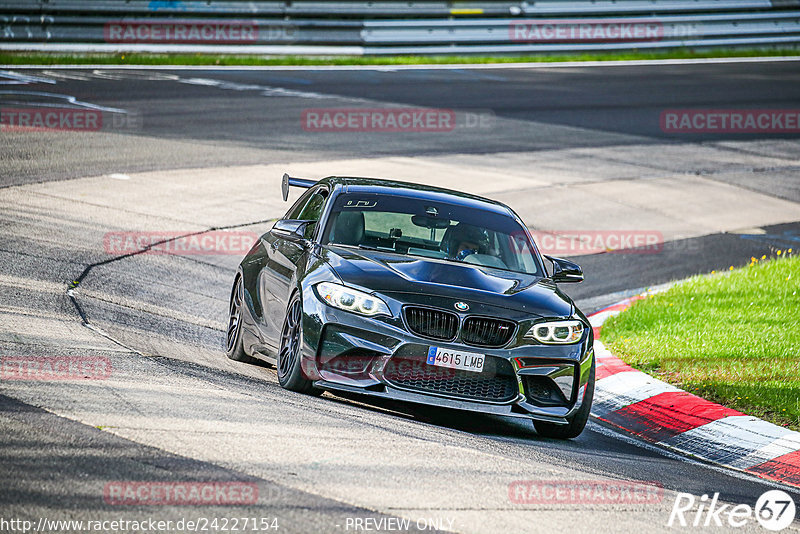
x: 565, y: 271
x: 292, y: 228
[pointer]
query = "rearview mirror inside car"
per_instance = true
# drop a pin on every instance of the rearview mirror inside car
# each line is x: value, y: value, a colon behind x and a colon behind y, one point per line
x: 427, y: 221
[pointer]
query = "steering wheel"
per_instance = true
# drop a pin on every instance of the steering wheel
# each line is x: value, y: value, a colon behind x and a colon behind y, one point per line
x: 464, y: 253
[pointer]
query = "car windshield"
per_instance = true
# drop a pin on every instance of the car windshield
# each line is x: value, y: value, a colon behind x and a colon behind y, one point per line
x: 431, y: 229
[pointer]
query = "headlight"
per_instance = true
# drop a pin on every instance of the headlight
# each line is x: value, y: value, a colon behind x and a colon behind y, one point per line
x: 556, y: 332
x: 351, y: 300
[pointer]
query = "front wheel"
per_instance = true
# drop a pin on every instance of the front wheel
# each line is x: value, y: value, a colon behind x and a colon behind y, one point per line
x: 290, y: 374
x: 577, y: 421
x: 233, y: 346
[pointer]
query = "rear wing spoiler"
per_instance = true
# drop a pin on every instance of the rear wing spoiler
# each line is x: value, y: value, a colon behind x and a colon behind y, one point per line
x: 294, y: 182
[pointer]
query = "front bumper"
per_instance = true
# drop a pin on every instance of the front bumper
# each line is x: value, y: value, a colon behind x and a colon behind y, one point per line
x: 347, y: 352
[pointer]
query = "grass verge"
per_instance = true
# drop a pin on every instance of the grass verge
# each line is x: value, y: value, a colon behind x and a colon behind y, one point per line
x: 733, y: 337
x: 37, y: 58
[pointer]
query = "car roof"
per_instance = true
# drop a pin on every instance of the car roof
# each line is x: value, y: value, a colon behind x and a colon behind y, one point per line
x: 359, y: 184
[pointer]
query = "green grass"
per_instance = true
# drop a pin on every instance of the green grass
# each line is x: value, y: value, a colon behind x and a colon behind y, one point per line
x: 731, y: 337
x: 38, y: 58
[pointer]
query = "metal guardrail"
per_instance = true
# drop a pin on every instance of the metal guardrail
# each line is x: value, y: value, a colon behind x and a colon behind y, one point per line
x: 394, y: 27
x: 523, y: 31
x: 383, y: 8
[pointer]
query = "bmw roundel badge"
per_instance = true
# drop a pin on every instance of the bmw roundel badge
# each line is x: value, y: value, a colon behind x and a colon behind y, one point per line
x: 462, y: 306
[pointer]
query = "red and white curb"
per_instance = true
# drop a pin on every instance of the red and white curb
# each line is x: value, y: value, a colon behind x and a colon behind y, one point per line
x: 663, y: 414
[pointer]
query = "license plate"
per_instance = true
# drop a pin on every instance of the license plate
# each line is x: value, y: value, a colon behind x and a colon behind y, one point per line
x: 456, y: 359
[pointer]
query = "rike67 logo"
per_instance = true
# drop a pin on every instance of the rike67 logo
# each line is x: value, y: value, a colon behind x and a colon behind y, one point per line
x: 774, y: 510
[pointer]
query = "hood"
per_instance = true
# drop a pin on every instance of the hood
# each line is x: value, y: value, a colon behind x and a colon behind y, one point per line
x: 415, y: 279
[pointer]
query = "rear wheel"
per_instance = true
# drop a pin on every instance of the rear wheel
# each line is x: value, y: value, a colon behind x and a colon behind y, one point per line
x: 290, y: 374
x: 577, y: 421
x: 233, y: 347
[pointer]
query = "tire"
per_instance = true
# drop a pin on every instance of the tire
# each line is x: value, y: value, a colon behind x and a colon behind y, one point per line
x: 233, y: 340
x: 290, y: 374
x: 577, y: 421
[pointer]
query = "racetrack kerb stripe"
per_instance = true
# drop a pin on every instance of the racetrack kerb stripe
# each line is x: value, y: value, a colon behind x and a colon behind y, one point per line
x: 785, y: 468
x: 610, y: 366
x: 666, y: 415
x: 663, y: 415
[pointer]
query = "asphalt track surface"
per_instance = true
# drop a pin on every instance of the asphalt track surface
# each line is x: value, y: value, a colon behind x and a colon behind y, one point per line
x: 177, y: 410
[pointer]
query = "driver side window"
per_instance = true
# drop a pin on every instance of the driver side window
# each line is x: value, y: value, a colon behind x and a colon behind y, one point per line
x: 313, y: 208
x: 300, y: 203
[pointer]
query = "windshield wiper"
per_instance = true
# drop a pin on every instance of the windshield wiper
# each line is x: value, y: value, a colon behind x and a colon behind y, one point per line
x: 379, y: 249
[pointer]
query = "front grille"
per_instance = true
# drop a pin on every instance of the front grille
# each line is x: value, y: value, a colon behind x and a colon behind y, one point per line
x: 435, y: 324
x: 486, y: 332
x: 495, y: 383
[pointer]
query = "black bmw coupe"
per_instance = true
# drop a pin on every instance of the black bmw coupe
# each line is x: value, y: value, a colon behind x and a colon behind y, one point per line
x: 417, y: 294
